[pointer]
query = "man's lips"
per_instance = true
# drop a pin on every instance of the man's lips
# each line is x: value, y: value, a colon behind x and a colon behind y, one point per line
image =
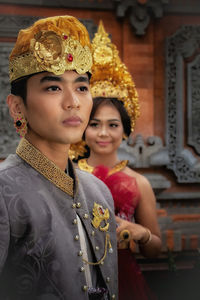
x: 72, y: 121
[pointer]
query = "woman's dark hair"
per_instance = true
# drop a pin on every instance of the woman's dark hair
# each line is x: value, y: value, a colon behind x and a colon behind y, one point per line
x: 126, y: 122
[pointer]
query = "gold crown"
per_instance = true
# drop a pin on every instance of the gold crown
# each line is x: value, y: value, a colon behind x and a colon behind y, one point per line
x: 110, y: 77
x: 53, y: 44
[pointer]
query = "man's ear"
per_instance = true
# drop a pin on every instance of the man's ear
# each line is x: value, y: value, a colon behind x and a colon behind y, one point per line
x: 15, y: 105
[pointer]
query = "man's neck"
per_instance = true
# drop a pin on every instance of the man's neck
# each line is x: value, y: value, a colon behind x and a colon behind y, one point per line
x: 57, y: 153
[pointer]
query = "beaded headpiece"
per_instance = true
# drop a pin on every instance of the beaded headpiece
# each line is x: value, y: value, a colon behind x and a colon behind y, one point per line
x: 110, y: 77
x: 53, y: 44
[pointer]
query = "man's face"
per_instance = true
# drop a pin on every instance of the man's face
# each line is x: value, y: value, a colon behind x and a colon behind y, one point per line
x: 58, y: 107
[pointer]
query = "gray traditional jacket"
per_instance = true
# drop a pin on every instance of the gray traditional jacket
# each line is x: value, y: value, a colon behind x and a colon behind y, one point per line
x: 40, y: 251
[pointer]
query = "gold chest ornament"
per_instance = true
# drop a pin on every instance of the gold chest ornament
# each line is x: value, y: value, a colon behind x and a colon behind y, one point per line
x: 100, y: 214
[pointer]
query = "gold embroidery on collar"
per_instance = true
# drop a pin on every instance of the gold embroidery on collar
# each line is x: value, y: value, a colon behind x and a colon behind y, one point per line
x: 83, y: 165
x: 44, y: 166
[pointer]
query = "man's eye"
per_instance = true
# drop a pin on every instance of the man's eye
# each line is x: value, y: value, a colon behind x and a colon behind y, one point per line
x: 83, y: 88
x: 53, y: 88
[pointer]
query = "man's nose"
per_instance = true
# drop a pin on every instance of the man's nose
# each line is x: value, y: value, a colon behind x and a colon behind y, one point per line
x: 71, y: 101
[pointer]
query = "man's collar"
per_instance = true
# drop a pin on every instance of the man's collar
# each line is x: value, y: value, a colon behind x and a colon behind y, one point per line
x: 44, y: 166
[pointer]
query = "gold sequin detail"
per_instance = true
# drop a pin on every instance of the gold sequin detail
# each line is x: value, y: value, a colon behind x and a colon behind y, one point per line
x: 44, y: 166
x: 83, y: 165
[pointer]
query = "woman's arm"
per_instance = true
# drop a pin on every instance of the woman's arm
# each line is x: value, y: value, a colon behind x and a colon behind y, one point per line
x: 145, y: 231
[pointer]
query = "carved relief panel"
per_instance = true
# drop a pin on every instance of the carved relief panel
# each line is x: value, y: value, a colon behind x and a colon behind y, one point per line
x: 8, y: 137
x: 193, y: 104
x: 183, y: 130
x: 182, y: 107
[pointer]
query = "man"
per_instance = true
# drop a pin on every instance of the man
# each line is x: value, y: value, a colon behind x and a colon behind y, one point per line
x: 57, y: 229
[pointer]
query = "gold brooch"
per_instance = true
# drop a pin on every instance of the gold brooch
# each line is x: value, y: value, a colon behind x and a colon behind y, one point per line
x: 100, y: 214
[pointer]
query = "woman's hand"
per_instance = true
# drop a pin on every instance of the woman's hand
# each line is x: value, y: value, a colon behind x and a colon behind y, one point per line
x: 137, y: 232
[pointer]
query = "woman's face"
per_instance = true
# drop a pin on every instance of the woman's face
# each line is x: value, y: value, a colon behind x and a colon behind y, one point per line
x: 105, y: 130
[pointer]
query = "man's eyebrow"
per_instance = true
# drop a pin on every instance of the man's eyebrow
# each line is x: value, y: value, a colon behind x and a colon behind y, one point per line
x: 51, y: 78
x: 59, y: 79
x: 82, y: 79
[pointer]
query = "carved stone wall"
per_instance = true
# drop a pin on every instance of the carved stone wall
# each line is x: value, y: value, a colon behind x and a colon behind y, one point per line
x: 182, y: 112
x: 139, y: 12
x: 182, y: 54
x: 8, y: 137
x: 193, y: 104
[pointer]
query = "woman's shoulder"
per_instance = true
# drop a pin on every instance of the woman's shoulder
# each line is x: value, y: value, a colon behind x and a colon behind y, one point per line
x: 141, y: 179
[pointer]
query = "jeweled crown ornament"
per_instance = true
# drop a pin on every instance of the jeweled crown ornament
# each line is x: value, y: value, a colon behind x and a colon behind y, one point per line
x: 110, y: 77
x: 54, y: 44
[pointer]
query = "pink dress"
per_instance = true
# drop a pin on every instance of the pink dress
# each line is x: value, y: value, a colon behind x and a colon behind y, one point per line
x: 126, y: 195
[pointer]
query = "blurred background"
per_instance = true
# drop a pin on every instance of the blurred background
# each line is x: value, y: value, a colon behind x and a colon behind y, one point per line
x: 159, y: 41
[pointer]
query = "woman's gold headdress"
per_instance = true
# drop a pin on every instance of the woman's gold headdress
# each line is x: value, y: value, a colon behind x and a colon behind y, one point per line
x: 53, y: 44
x: 110, y: 77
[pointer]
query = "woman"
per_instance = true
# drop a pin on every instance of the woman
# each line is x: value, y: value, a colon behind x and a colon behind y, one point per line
x: 115, y: 109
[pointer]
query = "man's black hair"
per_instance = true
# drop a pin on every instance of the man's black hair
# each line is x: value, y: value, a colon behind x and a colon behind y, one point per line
x: 19, y: 87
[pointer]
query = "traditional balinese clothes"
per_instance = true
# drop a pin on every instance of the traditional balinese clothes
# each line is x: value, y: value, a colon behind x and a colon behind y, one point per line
x: 126, y: 195
x: 51, y: 223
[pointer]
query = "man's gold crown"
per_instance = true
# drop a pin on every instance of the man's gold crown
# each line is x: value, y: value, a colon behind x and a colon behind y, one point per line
x: 53, y: 44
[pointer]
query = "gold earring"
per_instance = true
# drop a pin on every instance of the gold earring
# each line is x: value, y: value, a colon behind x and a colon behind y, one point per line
x: 20, y: 125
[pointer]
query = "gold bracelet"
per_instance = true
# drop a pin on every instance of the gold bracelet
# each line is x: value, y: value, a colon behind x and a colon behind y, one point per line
x: 148, y: 240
